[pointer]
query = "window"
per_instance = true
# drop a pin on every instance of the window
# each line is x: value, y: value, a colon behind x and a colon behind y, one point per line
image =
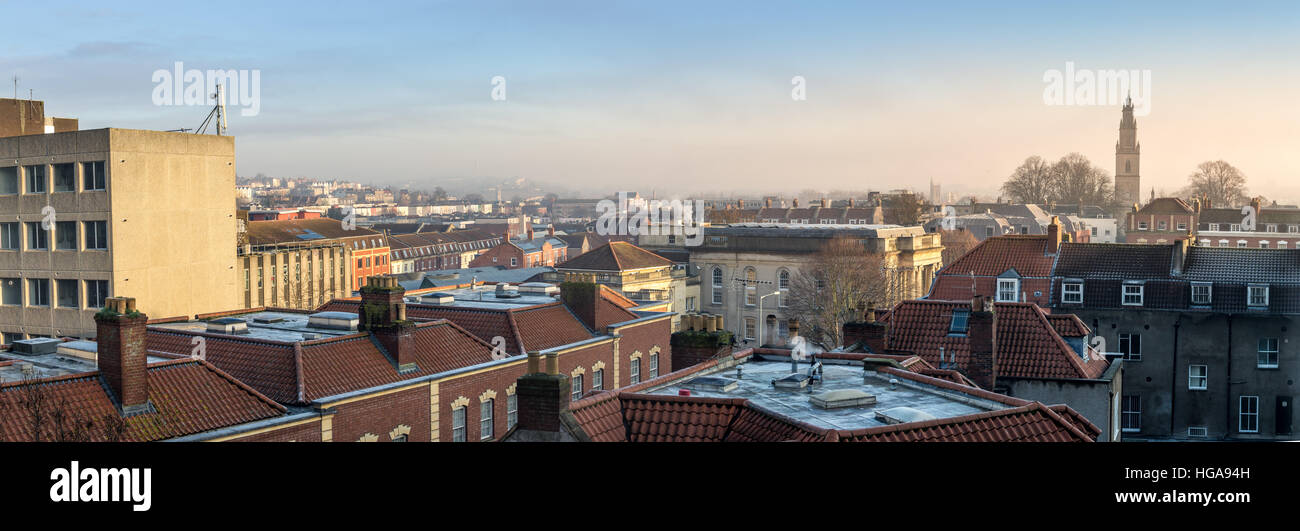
x: 749, y: 328
x: 65, y: 235
x: 1182, y: 226
x: 65, y: 179
x: 654, y: 365
x: 1132, y: 295
x: 1142, y: 225
x: 960, y: 318
x: 1223, y: 243
x: 598, y: 379
x: 1263, y: 244
x: 512, y: 411
x: 1267, y: 353
x: 514, y: 261
x: 38, y: 239
x: 783, y: 328
x: 1131, y: 346
x: 1131, y: 413
x: 1233, y: 227
x: 1270, y: 228
x: 96, y: 292
x: 1248, y: 415
x: 1241, y: 244
x: 636, y: 371
x: 1293, y: 228
x: 1162, y: 226
x: 988, y: 232
x: 38, y: 292
x: 1072, y: 292
x: 9, y: 180
x: 9, y: 236
x: 1201, y: 292
x: 1214, y: 226
x: 92, y: 174
x: 96, y: 235
x: 485, y: 419
x: 35, y: 179
x: 67, y: 293
x: 1007, y: 288
x: 1258, y: 296
x: 1198, y: 377
x: 783, y: 285
x: 458, y: 424
x: 576, y: 390
x: 11, y: 292
x: 717, y: 285
x: 1281, y: 244
x: 751, y: 290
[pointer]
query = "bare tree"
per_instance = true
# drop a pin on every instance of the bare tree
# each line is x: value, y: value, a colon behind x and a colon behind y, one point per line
x: 52, y: 419
x: 1220, y: 182
x: 826, y: 292
x: 1077, y: 181
x: 1032, y: 182
x: 956, y: 243
x: 904, y: 209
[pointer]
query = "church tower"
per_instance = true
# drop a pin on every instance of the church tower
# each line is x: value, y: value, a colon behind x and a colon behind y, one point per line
x: 1128, y: 186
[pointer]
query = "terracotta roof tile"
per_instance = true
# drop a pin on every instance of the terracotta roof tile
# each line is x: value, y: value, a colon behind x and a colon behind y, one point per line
x: 1030, y: 423
x: 1028, y: 344
x: 188, y: 397
x: 615, y: 256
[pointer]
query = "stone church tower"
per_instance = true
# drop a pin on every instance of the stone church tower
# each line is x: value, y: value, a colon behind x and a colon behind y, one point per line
x: 1128, y: 186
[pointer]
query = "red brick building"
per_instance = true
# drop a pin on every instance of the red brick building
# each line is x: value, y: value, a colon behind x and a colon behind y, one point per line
x: 543, y: 251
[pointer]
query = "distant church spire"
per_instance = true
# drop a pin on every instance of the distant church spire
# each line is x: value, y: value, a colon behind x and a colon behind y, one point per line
x: 1128, y: 181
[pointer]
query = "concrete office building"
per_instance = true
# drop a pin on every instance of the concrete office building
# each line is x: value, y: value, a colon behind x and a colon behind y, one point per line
x: 88, y: 214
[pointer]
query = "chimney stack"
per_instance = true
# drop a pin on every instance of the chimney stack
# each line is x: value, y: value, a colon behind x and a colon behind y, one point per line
x: 529, y: 230
x: 767, y: 202
x: 543, y: 397
x: 826, y: 203
x: 583, y: 299
x: 120, y: 334
x: 550, y: 230
x: 383, y: 313
x: 1054, y: 235
x: 796, y: 202
x: 740, y: 204
x: 982, y: 332
x: 872, y: 335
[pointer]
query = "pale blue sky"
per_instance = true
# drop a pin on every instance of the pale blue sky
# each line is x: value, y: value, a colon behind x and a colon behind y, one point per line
x: 683, y: 96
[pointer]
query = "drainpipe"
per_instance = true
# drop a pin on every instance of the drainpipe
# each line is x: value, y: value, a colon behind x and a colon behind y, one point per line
x: 1173, y: 382
x: 1227, y: 385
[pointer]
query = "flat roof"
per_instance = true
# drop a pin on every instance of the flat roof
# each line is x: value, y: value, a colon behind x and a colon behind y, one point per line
x: 755, y: 384
x: 289, y: 326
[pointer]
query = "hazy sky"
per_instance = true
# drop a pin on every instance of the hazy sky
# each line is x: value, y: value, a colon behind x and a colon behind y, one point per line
x: 682, y: 97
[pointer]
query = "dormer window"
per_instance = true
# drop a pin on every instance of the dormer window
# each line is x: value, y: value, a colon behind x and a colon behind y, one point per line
x: 1257, y: 296
x: 1072, y: 292
x: 1132, y: 294
x: 1214, y: 226
x: 1007, y: 289
x: 1201, y: 293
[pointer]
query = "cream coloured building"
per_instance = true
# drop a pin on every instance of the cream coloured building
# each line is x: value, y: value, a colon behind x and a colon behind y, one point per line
x: 85, y: 215
x: 746, y: 269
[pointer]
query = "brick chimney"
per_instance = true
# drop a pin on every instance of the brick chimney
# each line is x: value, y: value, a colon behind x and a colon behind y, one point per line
x: 1054, y: 235
x: 866, y: 330
x: 1254, y: 203
x: 529, y: 230
x: 543, y: 397
x: 982, y: 333
x: 582, y: 299
x: 740, y: 204
x: 550, y: 230
x: 120, y: 333
x: 383, y: 314
x: 796, y: 202
x: 767, y: 202
x: 826, y: 203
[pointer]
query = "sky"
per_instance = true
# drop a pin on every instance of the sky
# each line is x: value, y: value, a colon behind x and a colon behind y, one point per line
x: 681, y: 98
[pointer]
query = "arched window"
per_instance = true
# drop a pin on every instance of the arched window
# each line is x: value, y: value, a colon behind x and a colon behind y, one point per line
x: 1128, y: 166
x: 717, y: 285
x: 783, y: 284
x: 751, y: 290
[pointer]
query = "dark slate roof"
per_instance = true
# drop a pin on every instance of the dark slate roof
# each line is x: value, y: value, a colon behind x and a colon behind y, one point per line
x: 1114, y: 260
x: 1242, y: 265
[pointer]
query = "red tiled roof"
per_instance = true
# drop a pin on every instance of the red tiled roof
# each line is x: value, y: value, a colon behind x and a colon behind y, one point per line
x: 1030, y: 423
x: 1068, y: 325
x: 1027, y: 254
x: 299, y: 373
x: 1168, y: 205
x: 1028, y: 345
x: 524, y: 329
x: 629, y: 417
x: 188, y: 397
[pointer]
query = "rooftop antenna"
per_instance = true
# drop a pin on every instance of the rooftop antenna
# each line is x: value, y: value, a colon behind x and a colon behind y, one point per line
x: 15, y: 87
x: 218, y: 111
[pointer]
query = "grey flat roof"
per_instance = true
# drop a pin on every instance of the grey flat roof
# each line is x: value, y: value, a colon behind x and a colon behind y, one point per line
x: 290, y: 329
x: 755, y: 385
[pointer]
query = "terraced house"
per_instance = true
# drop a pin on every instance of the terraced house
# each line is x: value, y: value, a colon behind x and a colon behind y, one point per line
x: 1203, y: 331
